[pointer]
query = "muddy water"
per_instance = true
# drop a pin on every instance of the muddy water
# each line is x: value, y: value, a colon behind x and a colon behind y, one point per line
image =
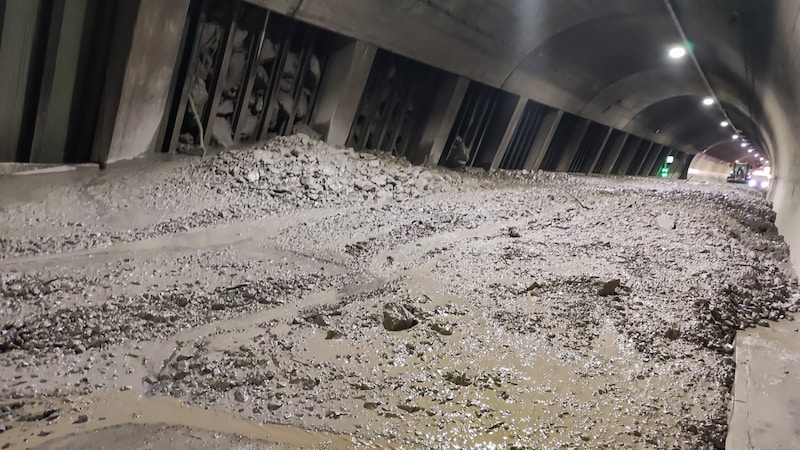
x: 113, y: 409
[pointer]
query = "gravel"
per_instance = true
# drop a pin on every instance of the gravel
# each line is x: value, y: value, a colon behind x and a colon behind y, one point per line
x: 296, y: 283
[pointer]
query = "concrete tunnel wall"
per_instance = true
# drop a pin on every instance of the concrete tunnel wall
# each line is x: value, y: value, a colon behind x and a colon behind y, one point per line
x: 708, y: 168
x: 763, y: 75
x: 539, y: 50
x: 511, y: 45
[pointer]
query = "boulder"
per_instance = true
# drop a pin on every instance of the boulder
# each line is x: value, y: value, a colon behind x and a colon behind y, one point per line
x: 397, y: 317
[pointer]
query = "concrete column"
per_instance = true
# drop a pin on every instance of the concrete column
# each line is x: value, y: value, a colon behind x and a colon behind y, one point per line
x: 507, y: 125
x: 599, y: 150
x: 436, y: 130
x: 656, y: 163
x: 647, y: 162
x: 544, y: 136
x: 642, y: 156
x: 629, y: 153
x: 614, y: 153
x: 346, y: 75
x: 573, y: 144
x: 144, y: 54
x: 17, y: 41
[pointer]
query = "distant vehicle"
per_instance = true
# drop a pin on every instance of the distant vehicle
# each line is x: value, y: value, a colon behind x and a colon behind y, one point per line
x: 740, y: 173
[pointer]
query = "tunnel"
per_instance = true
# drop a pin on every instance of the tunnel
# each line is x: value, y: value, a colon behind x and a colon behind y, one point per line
x: 399, y: 223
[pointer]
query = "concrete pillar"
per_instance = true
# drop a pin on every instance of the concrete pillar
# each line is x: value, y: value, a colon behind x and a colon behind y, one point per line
x: 508, y: 119
x: 641, y: 157
x: 436, y: 130
x: 647, y: 163
x: 629, y: 153
x: 614, y: 153
x: 144, y: 53
x: 599, y: 151
x: 346, y: 75
x: 544, y: 136
x: 573, y: 144
x: 650, y: 170
x: 17, y: 41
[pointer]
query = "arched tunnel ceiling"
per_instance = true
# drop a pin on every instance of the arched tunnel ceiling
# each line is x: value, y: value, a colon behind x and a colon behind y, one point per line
x: 601, y: 59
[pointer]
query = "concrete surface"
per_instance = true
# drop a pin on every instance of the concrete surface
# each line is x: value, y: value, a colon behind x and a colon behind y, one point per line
x: 153, y: 56
x: 708, y: 168
x: 766, y: 393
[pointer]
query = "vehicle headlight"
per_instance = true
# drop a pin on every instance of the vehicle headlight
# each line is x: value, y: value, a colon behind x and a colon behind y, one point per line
x: 764, y: 184
x: 751, y: 183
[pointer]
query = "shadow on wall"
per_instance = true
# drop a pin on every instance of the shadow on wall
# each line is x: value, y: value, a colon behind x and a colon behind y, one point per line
x: 708, y: 168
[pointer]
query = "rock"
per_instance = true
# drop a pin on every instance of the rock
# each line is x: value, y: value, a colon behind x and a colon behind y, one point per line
x: 397, y: 318
x: 302, y: 107
x: 83, y: 418
x: 445, y: 329
x: 609, y: 288
x: 407, y: 407
x: 199, y: 94
x: 274, y: 406
x: 334, y: 334
x: 673, y: 334
x: 314, y: 72
x: 514, y: 232
x: 267, y: 52
x: 286, y: 103
x: 302, y: 128
x: 221, y: 132
x: 321, y: 320
x: 365, y: 186
x: 253, y: 176
x: 235, y: 73
x: 225, y: 107
x: 290, y: 69
x: 239, y: 396
x: 458, y: 378
x: 665, y: 222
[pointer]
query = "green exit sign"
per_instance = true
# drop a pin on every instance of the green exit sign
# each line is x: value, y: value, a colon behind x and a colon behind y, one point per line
x: 664, y: 172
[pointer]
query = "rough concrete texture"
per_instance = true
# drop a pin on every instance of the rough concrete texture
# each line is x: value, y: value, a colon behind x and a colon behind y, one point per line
x: 150, y: 66
x: 297, y: 284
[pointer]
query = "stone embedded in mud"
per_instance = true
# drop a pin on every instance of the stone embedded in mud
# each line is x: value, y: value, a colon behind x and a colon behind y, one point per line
x: 665, y: 222
x: 397, y: 318
x: 514, y: 232
x: 673, y: 334
x: 609, y: 288
x: 445, y: 329
x: 458, y: 378
x: 334, y: 334
x: 253, y: 176
x: 240, y: 396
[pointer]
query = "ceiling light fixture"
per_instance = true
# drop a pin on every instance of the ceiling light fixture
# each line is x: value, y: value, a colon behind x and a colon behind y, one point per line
x: 708, y: 101
x: 735, y: 137
x: 744, y: 144
x: 677, y: 52
x: 724, y: 124
x: 749, y: 150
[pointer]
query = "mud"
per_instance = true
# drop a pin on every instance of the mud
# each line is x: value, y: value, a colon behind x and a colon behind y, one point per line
x: 255, y: 286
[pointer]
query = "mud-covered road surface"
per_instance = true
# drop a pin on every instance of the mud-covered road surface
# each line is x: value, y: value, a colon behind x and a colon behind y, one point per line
x: 294, y: 295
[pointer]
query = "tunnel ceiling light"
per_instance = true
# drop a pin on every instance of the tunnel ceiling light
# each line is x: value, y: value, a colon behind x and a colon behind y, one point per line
x: 708, y: 101
x: 743, y: 144
x: 735, y: 137
x: 677, y: 52
x: 749, y: 150
x: 724, y: 124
